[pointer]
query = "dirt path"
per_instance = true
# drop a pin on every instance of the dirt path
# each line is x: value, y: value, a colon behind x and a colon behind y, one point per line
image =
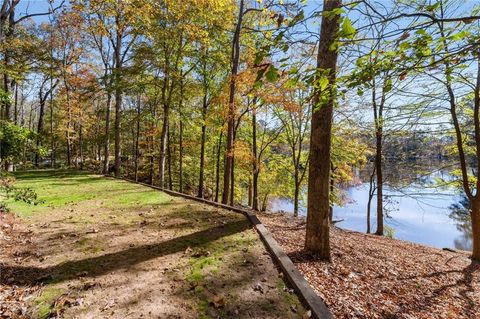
x: 99, y: 248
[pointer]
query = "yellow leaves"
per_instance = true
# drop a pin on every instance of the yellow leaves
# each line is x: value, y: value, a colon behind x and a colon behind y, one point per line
x: 243, y: 154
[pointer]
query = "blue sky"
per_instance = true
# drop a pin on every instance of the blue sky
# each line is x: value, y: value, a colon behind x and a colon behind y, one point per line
x: 35, y: 6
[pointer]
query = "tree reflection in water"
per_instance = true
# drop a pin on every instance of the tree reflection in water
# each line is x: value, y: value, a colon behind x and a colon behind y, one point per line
x: 459, y: 212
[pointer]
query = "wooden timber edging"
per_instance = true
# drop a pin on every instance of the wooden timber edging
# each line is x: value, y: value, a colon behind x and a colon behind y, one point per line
x: 307, y: 295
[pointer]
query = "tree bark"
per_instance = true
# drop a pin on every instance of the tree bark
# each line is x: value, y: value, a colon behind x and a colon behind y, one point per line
x: 106, y: 147
x: 40, y: 124
x: 378, y: 121
x: 180, y: 160
x: 180, y: 139
x: 9, y: 32
x: 217, y: 167
x: 118, y: 118
x: 256, y: 169
x: 317, y: 238
x: 296, y: 193
x: 118, y: 97
x: 202, y: 145
x: 231, y: 108
x: 371, y: 192
x: 152, y: 162
x: 80, y: 144
x: 69, y: 148
x: 52, y: 136
x: 15, y: 104
x: 169, y: 158
x: 137, y: 137
x: 163, y: 145
x: 379, y: 174
x: 475, y: 217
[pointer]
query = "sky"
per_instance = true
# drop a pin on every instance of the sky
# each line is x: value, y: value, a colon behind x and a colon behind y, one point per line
x: 35, y: 6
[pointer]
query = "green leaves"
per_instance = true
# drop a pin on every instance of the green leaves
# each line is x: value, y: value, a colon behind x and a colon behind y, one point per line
x: 432, y: 7
x: 4, y: 97
x: 14, y: 140
x: 269, y: 72
x: 347, y: 31
x: 272, y: 74
x: 299, y: 17
x: 387, y: 87
x: 322, y: 83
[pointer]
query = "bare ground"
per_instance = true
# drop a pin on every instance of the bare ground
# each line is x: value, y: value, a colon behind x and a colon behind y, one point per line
x: 377, y: 277
x: 172, y: 259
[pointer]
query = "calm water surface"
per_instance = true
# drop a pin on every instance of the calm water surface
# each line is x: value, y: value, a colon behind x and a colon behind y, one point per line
x: 415, y: 213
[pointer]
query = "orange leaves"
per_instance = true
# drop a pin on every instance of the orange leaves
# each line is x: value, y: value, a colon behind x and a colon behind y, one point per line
x: 243, y: 154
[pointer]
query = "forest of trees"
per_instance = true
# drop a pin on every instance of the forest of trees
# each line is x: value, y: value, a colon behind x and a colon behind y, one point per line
x: 238, y: 101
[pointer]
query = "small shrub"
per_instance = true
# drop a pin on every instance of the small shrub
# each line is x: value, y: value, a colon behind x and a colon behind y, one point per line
x: 7, y: 185
x: 389, y: 232
x: 26, y: 195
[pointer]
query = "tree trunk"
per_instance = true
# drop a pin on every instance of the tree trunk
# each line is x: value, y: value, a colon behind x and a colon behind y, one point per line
x: 52, y: 137
x: 232, y: 180
x: 250, y: 192
x: 69, y: 148
x: 6, y: 89
x: 202, y: 146
x: 15, y: 104
x: 40, y: 125
x: 118, y: 116
x: 9, y: 32
x: 296, y: 193
x: 169, y: 157
x: 180, y: 164
x: 217, y: 167
x: 137, y: 137
x: 317, y: 239
x: 152, y: 162
x: 231, y: 108
x: 256, y: 169
x: 80, y: 144
x: 163, y: 146
x: 118, y: 99
x: 475, y: 217
x: 180, y: 140
x: 379, y: 174
x: 106, y: 158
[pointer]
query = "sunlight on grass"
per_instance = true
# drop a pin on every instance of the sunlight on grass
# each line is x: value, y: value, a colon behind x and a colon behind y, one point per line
x: 58, y: 188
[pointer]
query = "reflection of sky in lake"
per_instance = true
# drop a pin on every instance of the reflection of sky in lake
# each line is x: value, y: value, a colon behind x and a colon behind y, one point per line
x: 416, y: 217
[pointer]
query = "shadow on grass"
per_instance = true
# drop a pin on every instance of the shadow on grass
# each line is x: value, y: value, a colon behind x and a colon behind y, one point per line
x: 49, y: 173
x: 100, y: 265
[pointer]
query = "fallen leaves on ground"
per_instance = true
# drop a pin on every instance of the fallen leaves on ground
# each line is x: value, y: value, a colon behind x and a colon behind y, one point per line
x: 13, y: 299
x: 376, y: 277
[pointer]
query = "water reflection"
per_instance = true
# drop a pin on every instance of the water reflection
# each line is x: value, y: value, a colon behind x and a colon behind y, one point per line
x: 460, y: 213
x: 418, y: 209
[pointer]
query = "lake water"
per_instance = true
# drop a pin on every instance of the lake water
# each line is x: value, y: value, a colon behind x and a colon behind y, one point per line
x: 415, y: 213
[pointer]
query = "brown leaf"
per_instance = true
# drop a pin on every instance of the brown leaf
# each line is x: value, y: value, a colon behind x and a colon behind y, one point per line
x: 218, y: 301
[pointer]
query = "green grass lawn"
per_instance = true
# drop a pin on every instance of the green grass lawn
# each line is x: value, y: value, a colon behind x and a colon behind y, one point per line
x: 59, y: 188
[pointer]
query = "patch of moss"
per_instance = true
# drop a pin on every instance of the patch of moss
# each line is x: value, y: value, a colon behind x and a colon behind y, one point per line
x: 89, y: 245
x: 202, y: 308
x: 289, y: 298
x: 44, y: 302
